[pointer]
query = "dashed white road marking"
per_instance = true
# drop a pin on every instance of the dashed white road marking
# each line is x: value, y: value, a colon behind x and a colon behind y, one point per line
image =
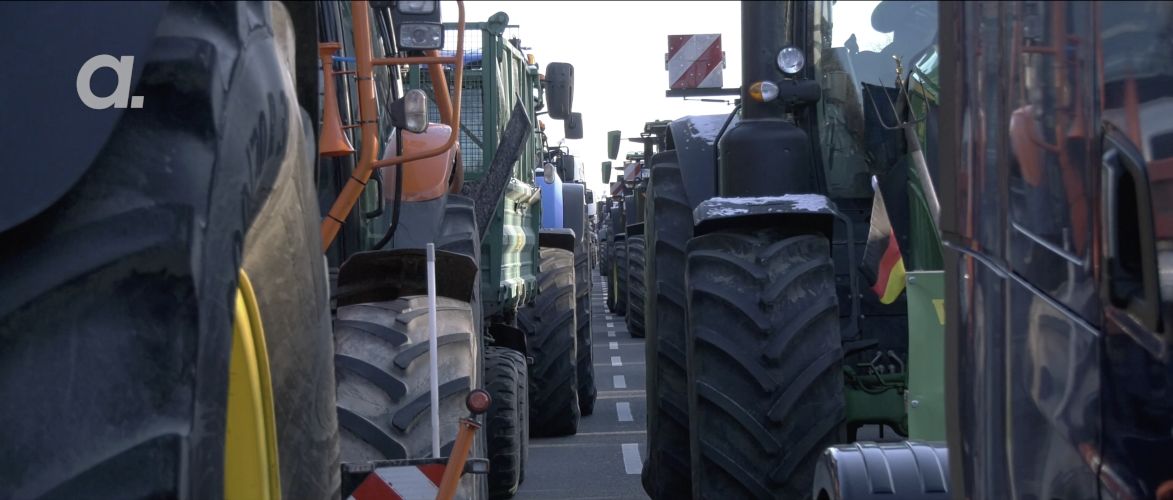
x: 620, y: 382
x: 610, y: 334
x: 624, y: 411
x: 615, y: 361
x: 614, y: 346
x: 631, y: 462
x: 610, y: 325
x: 608, y: 316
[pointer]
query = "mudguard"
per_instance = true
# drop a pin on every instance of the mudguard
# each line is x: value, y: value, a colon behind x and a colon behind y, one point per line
x: 617, y: 226
x: 384, y: 275
x: 557, y: 238
x: 574, y: 206
x: 807, y: 211
x: 552, y: 196
x: 43, y: 105
x: 510, y: 337
x: 694, y: 138
x: 909, y: 470
x: 635, y: 229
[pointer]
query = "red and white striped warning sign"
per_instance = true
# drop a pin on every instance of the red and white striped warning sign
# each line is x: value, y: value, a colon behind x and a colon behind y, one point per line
x: 418, y: 482
x: 694, y: 61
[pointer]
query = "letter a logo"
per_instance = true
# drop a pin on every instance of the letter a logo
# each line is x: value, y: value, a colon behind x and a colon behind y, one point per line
x: 125, y: 69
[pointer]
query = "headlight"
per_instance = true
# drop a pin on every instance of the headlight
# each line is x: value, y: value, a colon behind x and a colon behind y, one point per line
x: 415, y: 110
x: 415, y: 7
x: 419, y: 36
x: 790, y: 60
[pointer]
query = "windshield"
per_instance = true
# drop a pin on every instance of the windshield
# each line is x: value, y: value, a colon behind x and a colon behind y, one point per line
x: 853, y: 49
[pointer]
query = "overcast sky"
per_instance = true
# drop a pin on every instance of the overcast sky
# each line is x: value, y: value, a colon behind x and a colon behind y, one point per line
x: 617, y: 49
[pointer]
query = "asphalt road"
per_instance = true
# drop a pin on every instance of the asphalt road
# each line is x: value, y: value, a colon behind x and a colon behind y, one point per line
x: 604, y: 459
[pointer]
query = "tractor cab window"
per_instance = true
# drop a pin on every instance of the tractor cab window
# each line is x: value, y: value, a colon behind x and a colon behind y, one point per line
x: 853, y: 54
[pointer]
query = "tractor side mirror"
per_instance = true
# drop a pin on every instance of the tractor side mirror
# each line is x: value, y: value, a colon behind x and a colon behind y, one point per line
x: 606, y: 171
x: 572, y: 127
x: 613, y: 138
x: 560, y: 89
x: 566, y: 168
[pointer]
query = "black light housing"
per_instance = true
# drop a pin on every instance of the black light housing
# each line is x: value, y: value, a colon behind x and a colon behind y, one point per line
x: 417, y: 25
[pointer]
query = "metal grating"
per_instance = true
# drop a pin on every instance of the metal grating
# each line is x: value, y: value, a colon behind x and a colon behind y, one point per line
x: 472, y: 109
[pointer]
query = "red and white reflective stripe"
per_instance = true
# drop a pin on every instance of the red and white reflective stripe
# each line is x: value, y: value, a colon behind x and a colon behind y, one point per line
x: 694, y: 61
x: 401, y: 483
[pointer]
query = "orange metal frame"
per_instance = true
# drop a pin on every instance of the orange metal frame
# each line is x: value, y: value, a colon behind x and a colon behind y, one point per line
x: 367, y: 111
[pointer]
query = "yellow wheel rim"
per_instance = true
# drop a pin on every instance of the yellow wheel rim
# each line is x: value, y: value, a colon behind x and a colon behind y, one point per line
x: 250, y: 463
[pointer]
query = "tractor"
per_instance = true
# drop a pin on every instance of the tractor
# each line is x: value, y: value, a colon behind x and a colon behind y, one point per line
x: 566, y: 226
x: 204, y: 219
x: 653, y: 139
x: 768, y: 346
x: 526, y: 302
x: 622, y: 204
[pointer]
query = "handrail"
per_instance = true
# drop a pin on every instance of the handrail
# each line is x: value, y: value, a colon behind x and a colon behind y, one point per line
x: 365, y: 63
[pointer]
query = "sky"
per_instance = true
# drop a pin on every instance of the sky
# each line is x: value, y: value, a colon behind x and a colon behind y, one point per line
x: 618, y: 49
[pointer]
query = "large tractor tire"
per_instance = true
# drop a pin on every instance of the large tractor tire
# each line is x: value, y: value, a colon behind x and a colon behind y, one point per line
x: 667, y: 474
x: 636, y: 293
x: 117, y: 302
x: 384, y: 396
x: 503, y: 424
x: 522, y: 412
x: 381, y: 359
x: 550, y: 325
x: 619, y: 276
x: 584, y: 343
x: 764, y: 362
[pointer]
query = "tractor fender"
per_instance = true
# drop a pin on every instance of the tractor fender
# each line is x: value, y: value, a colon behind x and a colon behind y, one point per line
x: 635, y: 229
x: 617, y: 226
x: 552, y: 196
x: 557, y: 238
x: 806, y: 211
x: 45, y: 97
x: 384, y: 275
x: 911, y: 470
x: 574, y: 209
x: 509, y: 337
x: 694, y: 138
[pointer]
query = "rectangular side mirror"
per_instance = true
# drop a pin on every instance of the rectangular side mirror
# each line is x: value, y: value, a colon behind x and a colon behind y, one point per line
x: 606, y: 171
x: 613, y: 138
x: 573, y: 126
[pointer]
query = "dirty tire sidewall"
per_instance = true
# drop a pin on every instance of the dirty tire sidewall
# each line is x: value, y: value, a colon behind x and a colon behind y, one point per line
x: 123, y: 291
x: 502, y: 421
x: 636, y: 293
x: 550, y: 325
x: 764, y: 362
x: 587, y: 393
x: 669, y: 227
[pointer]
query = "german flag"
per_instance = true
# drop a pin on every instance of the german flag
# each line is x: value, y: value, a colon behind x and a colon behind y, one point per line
x: 883, y: 266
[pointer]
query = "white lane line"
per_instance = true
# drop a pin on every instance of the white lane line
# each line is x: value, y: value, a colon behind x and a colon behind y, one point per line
x: 608, y: 316
x: 624, y: 411
x: 610, y: 334
x: 610, y: 325
x: 631, y: 462
x: 614, y: 346
x: 615, y: 361
x: 628, y: 394
x: 620, y: 383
